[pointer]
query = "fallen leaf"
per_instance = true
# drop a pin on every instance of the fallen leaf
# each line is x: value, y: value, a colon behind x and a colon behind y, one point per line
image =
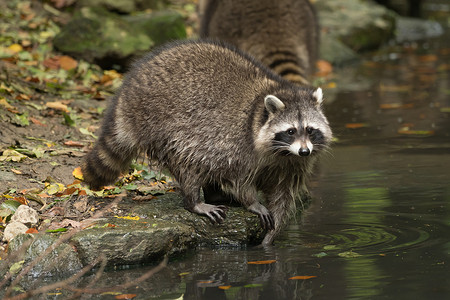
x: 136, y: 218
x: 36, y: 122
x: 32, y: 230
x: 416, y: 132
x: 261, y: 262
x: 57, y: 105
x: 6, y: 105
x: 324, y: 68
x: 74, y: 144
x: 349, y: 254
x: 15, y: 48
x: 428, y: 58
x: 395, y: 88
x: 302, y: 277
x: 12, y: 155
x: 18, y: 172
x: 125, y: 296
x: 21, y: 200
x: 67, y: 63
x: 22, y: 97
x: 77, y: 173
x: 356, y: 125
x: 224, y: 287
x: 396, y: 105
x: 51, y: 63
x: 56, y: 211
x: 63, y: 224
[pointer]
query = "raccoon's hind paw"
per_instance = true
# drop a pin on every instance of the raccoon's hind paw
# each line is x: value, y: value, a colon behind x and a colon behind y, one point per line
x: 215, y: 213
x: 266, y: 218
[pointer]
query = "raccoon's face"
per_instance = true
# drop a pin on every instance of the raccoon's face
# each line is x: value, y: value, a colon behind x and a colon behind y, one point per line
x: 295, y: 128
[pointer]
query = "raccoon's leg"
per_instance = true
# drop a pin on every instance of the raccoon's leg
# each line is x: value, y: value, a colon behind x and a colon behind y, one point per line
x: 192, y: 202
x: 249, y: 200
x: 281, y: 206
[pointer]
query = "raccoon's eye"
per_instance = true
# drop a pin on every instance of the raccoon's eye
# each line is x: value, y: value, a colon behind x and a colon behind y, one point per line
x: 309, y: 130
x: 291, y: 131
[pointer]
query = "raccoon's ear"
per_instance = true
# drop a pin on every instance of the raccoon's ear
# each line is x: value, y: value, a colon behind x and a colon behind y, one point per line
x: 318, y: 94
x: 273, y: 104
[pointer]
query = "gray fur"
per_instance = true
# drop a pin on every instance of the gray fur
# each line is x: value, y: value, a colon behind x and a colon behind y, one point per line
x: 198, y: 109
x: 282, y: 34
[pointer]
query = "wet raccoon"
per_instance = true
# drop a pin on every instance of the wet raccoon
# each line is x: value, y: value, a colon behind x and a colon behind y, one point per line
x: 212, y: 115
x: 282, y: 34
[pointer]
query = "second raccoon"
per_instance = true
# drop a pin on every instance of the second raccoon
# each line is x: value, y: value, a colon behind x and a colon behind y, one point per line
x: 213, y: 116
x: 283, y: 34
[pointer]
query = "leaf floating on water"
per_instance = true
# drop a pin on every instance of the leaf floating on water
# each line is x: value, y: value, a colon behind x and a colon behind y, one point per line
x: 356, y: 125
x: 302, y: 277
x: 224, y: 287
x: 445, y: 109
x: 349, y: 254
x: 320, y: 254
x: 396, y: 105
x: 407, y: 131
x: 395, y: 88
x: 261, y: 262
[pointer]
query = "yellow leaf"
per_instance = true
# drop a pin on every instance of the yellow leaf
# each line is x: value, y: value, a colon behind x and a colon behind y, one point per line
x: 57, y: 105
x: 5, y: 104
x: 77, y: 173
x: 14, y: 48
x: 128, y: 218
x: 224, y: 287
x: 302, y: 277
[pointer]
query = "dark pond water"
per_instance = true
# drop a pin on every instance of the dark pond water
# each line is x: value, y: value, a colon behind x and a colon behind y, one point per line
x: 379, y: 224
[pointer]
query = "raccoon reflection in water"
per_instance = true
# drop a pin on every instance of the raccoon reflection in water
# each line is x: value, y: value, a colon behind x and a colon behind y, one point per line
x: 213, y: 115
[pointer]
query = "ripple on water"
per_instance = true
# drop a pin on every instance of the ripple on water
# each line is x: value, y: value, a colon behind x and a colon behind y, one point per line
x: 364, y: 239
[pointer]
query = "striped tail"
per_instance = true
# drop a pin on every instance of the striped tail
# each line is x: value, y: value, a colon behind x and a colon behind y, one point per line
x: 107, y: 160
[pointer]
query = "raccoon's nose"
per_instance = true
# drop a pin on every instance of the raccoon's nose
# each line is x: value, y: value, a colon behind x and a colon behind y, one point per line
x: 304, y: 152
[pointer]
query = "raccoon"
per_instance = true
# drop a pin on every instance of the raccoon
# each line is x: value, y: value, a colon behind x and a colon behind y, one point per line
x: 213, y: 115
x: 282, y: 34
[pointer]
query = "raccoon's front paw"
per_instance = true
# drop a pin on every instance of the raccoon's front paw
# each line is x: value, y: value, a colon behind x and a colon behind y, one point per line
x: 215, y: 213
x: 266, y: 218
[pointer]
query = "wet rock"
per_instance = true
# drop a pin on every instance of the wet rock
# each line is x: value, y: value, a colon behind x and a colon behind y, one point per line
x: 25, y: 215
x: 13, y: 229
x: 61, y: 261
x: 239, y: 228
x: 108, y: 39
x: 132, y: 242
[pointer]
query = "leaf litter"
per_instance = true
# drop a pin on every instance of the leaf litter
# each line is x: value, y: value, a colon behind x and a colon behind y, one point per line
x: 50, y: 109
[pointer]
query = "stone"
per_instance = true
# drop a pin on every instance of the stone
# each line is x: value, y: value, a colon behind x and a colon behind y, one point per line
x: 25, y: 215
x: 112, y: 40
x: 61, y: 261
x: 13, y: 229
